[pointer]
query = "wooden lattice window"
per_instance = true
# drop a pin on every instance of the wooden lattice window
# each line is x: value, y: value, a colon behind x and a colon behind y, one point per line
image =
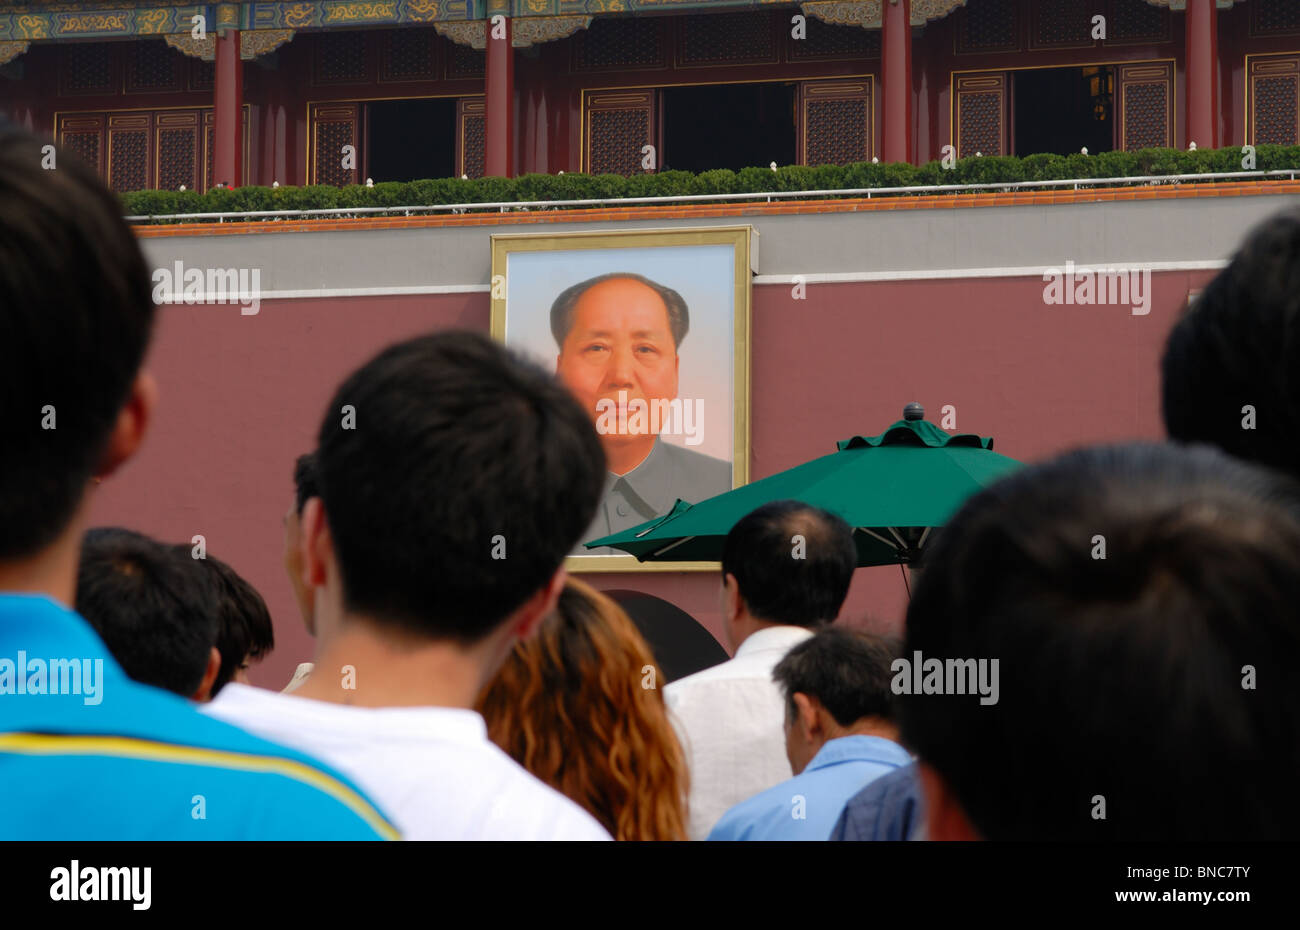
x: 1273, y: 97
x: 619, y: 124
x: 333, y: 126
x: 982, y: 114
x: 836, y: 122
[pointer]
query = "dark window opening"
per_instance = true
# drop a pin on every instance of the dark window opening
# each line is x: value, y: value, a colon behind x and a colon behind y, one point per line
x: 411, y: 140
x: 728, y: 126
x: 1063, y: 110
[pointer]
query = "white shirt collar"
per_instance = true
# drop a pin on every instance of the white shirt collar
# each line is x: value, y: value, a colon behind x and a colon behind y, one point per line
x: 772, y: 639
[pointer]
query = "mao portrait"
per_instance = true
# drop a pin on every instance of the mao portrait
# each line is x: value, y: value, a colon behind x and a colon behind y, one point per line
x: 643, y: 329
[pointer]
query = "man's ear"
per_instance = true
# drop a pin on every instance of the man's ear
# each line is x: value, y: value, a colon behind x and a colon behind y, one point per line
x: 317, y: 545
x: 133, y: 422
x: 732, y: 601
x: 944, y: 817
x: 529, y: 616
x: 807, y: 720
x: 204, y: 691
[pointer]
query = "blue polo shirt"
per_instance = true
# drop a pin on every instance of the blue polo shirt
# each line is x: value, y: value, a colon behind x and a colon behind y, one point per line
x: 807, y: 806
x: 86, y: 753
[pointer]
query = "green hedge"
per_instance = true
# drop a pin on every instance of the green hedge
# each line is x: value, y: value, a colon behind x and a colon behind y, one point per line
x: 535, y: 187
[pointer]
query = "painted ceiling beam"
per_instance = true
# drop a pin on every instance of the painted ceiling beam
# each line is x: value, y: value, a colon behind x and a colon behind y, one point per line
x: 51, y: 20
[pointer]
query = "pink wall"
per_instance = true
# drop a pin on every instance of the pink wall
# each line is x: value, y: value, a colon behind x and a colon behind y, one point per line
x: 241, y: 398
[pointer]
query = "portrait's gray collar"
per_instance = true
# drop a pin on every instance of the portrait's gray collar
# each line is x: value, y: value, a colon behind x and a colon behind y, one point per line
x: 647, y: 487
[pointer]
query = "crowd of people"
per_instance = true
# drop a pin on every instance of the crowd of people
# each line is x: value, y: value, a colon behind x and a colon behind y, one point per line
x: 1139, y: 602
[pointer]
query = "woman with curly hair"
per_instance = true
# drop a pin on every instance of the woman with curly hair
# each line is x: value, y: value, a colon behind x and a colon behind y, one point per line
x: 576, y: 705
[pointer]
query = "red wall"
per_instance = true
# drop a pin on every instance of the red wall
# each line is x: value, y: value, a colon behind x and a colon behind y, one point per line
x: 241, y: 398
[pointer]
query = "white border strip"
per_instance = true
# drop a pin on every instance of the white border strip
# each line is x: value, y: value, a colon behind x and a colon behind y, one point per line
x: 850, y: 277
x: 1030, y: 271
x: 327, y: 292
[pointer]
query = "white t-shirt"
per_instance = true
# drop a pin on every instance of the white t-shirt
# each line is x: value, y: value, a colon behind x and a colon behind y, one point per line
x: 433, y: 770
x: 731, y: 721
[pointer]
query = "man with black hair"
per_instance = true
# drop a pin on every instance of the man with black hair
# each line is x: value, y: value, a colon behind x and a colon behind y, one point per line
x: 244, y: 631
x: 786, y: 569
x: 156, y: 614
x: 839, y: 735
x: 454, y: 478
x: 1141, y: 601
x: 86, y: 753
x: 1231, y: 367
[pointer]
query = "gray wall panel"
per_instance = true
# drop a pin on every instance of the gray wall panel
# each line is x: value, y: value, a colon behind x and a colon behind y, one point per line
x: 1116, y: 232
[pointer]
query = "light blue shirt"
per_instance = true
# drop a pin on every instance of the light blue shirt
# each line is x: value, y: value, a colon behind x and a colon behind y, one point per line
x: 88, y: 754
x: 807, y: 806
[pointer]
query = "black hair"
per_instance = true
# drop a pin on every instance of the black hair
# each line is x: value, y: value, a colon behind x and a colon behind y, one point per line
x: 1238, y: 346
x: 76, y: 312
x: 787, y: 581
x: 157, y: 615
x: 305, y: 483
x: 847, y: 671
x: 244, y: 627
x: 454, y: 484
x: 679, y: 315
x: 1141, y: 602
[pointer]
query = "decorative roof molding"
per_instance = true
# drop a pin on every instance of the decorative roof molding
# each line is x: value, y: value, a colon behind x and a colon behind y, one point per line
x: 868, y: 13
x: 255, y: 43
x: 524, y: 32
x: 864, y: 13
x: 11, y: 50
x: 534, y: 30
x: 925, y: 10
x: 96, y: 19
x: 472, y: 33
x: 252, y: 43
x: 186, y: 44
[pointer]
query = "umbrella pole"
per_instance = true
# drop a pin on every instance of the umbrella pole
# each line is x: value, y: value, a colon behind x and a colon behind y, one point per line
x: 903, y: 568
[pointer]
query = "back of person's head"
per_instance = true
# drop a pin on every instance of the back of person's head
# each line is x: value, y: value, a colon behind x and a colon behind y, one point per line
x: 244, y: 631
x: 793, y: 563
x: 454, y: 484
x: 76, y: 313
x: 156, y: 614
x: 847, y: 672
x: 573, y: 706
x: 1141, y: 602
x: 1238, y: 347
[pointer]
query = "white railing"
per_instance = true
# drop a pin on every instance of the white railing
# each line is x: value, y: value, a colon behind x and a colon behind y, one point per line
x: 766, y: 196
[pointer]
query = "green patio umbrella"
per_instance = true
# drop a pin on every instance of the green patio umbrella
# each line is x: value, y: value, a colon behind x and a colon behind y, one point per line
x: 892, y: 488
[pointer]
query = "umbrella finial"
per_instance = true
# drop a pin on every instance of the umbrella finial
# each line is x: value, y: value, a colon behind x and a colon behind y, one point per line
x: 914, y: 411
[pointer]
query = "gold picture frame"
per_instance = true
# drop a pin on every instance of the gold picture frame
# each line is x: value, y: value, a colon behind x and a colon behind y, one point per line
x: 639, y: 246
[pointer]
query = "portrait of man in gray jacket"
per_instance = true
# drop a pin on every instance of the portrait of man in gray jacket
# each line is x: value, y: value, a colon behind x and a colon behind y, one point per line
x: 618, y: 337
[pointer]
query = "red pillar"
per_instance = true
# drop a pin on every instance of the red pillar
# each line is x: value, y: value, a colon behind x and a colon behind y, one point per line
x: 500, y: 129
x: 228, y: 123
x: 1202, y: 83
x: 896, y: 79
